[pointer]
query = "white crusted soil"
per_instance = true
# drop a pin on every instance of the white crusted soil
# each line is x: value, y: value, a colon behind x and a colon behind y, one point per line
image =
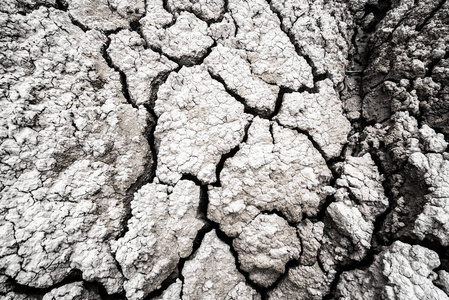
x: 275, y: 169
x: 400, y: 272
x: 320, y: 115
x: 162, y: 228
x: 212, y: 274
x: 198, y: 123
x: 224, y: 149
x: 143, y: 68
x: 71, y: 147
x: 231, y: 66
x: 265, y: 246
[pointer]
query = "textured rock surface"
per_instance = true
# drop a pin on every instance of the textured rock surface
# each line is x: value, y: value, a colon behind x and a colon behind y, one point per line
x: 143, y: 68
x: 318, y: 114
x: 400, y: 272
x: 232, y: 68
x: 311, y: 235
x: 71, y: 147
x: 316, y: 25
x: 433, y: 221
x: 350, y: 221
x: 207, y: 10
x: 265, y: 246
x: 224, y: 149
x: 211, y: 274
x: 105, y: 15
x: 186, y: 40
x: 278, y: 169
x: 302, y: 282
x: 361, y: 182
x: 270, y: 52
x: 75, y: 291
x: 161, y: 231
x: 173, y: 292
x: 198, y: 122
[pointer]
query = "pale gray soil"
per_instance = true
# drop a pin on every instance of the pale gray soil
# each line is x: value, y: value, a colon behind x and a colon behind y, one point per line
x: 224, y: 149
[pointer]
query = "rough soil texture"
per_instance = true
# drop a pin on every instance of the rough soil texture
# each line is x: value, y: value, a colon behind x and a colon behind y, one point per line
x: 224, y: 149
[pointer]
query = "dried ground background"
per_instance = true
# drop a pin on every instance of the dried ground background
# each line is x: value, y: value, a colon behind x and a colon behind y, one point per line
x: 224, y: 149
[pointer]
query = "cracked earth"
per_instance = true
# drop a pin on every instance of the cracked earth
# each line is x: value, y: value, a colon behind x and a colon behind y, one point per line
x: 224, y: 149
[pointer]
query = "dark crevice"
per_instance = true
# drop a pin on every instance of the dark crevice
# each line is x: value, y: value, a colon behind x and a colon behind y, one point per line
x: 152, y: 143
x: 380, y: 220
x: 208, y: 227
x: 146, y: 176
x: 229, y: 241
x: 61, y: 5
x: 203, y: 204
x: 136, y: 26
x: 329, y: 161
x: 358, y: 56
x: 328, y: 201
x: 101, y: 291
x: 191, y: 177
x: 186, y: 61
x: 333, y: 287
x: 78, y: 23
x: 113, y: 31
x: 165, y: 6
x: 155, y: 85
x: 279, y: 99
x: 163, y: 286
x: 280, y: 214
x: 177, y: 274
x: 122, y: 74
x: 379, y: 10
x: 150, y: 166
x: 74, y: 276
x: 124, y: 222
x: 431, y: 66
x: 153, y: 120
x: 247, y: 109
x: 317, y: 77
x: 199, y: 61
x: 419, y: 27
x: 230, y: 154
x: 196, y: 245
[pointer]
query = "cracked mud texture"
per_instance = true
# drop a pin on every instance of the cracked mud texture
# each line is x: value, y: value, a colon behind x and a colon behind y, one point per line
x: 224, y: 149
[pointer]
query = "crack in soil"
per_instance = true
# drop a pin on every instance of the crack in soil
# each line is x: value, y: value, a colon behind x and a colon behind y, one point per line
x: 74, y: 276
